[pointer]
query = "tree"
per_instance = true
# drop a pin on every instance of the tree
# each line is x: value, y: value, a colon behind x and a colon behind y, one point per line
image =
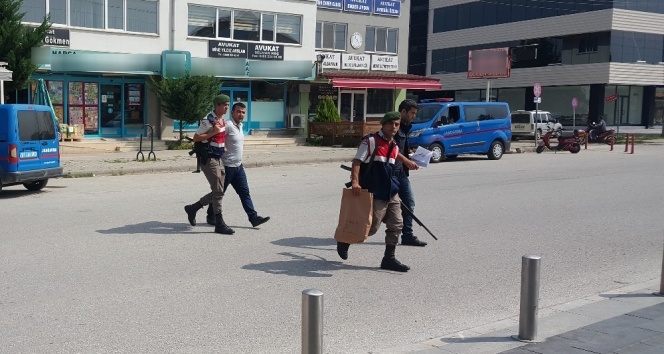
x: 327, y: 111
x: 187, y: 99
x: 17, y: 41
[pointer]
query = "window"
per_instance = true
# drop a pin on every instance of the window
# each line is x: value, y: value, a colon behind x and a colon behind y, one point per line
x: 484, y: 112
x: 246, y: 25
x: 289, y: 29
x: 33, y: 125
x: 588, y: 44
x: 379, y: 101
x: 379, y: 39
x: 201, y: 21
x: 330, y: 36
x: 268, y: 28
x: 224, y: 27
x: 125, y: 15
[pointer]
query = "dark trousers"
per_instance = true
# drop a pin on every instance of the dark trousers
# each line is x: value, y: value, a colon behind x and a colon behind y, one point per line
x: 237, y: 178
x: 406, y: 196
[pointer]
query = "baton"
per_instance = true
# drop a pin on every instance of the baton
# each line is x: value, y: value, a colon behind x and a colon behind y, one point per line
x: 198, y: 159
x: 403, y: 206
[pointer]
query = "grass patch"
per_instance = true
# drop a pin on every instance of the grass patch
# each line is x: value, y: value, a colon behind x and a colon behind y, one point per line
x: 314, y: 141
x: 78, y: 175
x: 179, y: 145
x: 118, y: 173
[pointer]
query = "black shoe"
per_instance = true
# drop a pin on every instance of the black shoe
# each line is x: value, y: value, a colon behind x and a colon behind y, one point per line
x: 391, y: 263
x: 259, y: 220
x: 191, y: 211
x: 412, y: 241
x: 211, y: 220
x: 342, y: 249
x: 221, y: 227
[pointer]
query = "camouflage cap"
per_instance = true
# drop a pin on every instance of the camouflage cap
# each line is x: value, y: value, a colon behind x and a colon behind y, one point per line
x: 390, y: 116
x: 219, y: 99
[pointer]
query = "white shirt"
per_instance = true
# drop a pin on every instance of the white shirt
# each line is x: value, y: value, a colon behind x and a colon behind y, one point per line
x: 234, y: 144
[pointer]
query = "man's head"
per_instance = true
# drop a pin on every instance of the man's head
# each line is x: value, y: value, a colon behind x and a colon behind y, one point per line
x: 238, y: 112
x: 221, y: 103
x: 390, y: 124
x: 407, y: 110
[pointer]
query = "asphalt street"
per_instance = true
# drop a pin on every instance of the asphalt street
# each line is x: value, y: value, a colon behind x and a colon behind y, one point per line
x: 110, y: 264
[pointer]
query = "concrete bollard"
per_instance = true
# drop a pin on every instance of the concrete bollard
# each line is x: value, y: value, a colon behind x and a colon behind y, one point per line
x: 530, y: 281
x: 312, y: 321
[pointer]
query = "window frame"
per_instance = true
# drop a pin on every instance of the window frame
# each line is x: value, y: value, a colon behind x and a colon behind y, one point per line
x: 334, y: 36
x: 387, y: 30
x: 591, y: 44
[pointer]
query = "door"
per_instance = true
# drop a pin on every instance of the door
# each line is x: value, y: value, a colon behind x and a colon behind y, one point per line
x: 37, y: 147
x: 242, y: 95
x: 623, y: 108
x: 111, y: 110
x: 449, y: 130
x: 352, y: 106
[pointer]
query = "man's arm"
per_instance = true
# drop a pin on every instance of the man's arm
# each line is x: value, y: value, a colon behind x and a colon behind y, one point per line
x: 355, y: 176
x: 205, y: 136
x: 407, y: 162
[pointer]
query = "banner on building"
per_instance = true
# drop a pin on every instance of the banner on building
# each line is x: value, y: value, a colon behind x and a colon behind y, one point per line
x: 489, y: 63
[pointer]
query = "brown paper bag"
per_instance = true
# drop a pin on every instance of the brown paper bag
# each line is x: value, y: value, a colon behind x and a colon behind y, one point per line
x: 354, y: 217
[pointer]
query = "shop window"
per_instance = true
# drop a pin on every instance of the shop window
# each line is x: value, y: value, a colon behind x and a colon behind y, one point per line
x: 134, y: 104
x: 264, y: 91
x: 379, y: 101
x: 289, y: 28
x: 246, y: 25
x: 379, y: 39
x: 201, y: 21
x: 331, y: 36
x: 56, y: 93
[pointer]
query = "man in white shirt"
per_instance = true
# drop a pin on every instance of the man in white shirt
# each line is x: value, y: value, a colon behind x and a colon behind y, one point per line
x: 232, y: 160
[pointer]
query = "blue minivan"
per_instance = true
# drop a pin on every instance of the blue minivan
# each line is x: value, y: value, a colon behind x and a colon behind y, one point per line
x: 29, y: 146
x: 453, y: 128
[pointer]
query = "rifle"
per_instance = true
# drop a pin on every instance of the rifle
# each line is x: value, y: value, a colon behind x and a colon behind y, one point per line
x: 192, y: 152
x: 403, y: 206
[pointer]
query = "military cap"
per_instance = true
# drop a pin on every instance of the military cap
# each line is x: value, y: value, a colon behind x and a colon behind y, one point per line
x: 219, y: 99
x: 390, y: 116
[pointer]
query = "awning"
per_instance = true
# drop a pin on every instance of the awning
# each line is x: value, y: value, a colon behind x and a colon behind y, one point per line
x: 386, y: 84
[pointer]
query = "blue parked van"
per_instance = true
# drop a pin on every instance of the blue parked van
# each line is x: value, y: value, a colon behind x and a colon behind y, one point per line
x: 453, y: 128
x: 29, y: 147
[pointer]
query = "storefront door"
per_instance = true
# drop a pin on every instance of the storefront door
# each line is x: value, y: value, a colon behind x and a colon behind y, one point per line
x: 111, y: 110
x: 623, y: 108
x: 352, y: 106
x: 243, y: 95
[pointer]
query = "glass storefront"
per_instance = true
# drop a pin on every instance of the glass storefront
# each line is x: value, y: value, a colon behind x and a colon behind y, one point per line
x: 515, y: 97
x: 659, y: 106
x: 627, y: 106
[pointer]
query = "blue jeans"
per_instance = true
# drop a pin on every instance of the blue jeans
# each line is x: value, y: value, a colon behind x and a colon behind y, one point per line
x: 406, y: 195
x: 236, y: 177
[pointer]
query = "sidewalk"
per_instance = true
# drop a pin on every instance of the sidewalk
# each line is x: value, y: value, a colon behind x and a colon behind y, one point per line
x: 626, y: 320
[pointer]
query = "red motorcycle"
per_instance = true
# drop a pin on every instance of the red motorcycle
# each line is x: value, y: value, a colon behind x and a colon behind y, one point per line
x: 608, y: 136
x: 571, y: 143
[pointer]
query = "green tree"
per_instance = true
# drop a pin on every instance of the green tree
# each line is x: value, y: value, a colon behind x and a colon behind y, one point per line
x: 187, y: 99
x: 17, y: 41
x: 327, y: 111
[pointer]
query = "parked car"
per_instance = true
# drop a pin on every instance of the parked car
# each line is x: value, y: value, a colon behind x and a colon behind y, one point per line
x: 523, y: 123
x: 450, y: 129
x: 29, y: 146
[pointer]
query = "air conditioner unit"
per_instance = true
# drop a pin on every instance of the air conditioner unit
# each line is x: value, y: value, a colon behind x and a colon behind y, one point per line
x: 296, y: 120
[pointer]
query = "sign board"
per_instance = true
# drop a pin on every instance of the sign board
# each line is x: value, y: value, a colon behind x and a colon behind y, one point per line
x: 387, y: 7
x: 355, y: 62
x: 537, y: 100
x: 57, y: 37
x: 384, y: 63
x: 330, y: 4
x: 258, y: 51
x: 331, y: 61
x: 537, y: 89
x: 575, y: 103
x: 611, y: 98
x: 362, y: 6
x: 227, y: 49
x: 489, y: 63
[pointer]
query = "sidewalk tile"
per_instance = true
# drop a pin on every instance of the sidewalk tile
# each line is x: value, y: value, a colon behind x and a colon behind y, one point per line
x: 640, y: 348
x: 651, y: 312
x: 555, y: 345
x: 605, y: 309
x: 562, y: 322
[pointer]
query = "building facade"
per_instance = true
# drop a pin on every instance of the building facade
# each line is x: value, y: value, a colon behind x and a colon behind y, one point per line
x: 607, y: 54
x: 365, y: 48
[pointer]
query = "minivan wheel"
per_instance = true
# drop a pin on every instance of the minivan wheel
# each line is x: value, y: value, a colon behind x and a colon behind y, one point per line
x: 496, y: 150
x: 438, y: 152
x: 36, y: 185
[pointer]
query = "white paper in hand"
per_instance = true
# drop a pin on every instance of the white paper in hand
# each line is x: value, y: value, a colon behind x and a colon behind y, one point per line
x: 421, y: 156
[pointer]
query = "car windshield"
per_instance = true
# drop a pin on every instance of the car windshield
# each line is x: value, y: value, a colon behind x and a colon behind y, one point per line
x: 426, y: 113
x: 521, y: 118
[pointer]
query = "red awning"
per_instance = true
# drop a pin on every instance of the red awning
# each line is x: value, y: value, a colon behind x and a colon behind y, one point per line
x: 386, y: 84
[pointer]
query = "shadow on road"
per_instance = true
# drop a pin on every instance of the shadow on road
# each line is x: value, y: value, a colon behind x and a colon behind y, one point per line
x: 304, y: 265
x: 149, y: 227
x: 307, y: 242
x: 18, y: 193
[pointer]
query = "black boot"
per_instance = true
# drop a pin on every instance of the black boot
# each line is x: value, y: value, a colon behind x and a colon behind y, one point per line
x: 221, y: 227
x: 342, y: 249
x: 390, y: 262
x: 412, y: 241
x: 259, y: 220
x: 210, y: 216
x: 191, y: 211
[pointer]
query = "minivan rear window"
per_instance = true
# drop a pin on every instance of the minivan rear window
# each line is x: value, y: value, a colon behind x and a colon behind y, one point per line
x: 426, y: 113
x: 484, y: 112
x: 35, y: 125
x: 521, y: 118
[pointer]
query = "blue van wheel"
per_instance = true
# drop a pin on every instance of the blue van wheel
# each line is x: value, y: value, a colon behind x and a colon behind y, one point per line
x: 438, y: 152
x: 36, y: 185
x: 496, y: 150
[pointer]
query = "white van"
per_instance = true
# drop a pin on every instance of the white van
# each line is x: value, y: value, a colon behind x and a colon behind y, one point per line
x: 523, y: 123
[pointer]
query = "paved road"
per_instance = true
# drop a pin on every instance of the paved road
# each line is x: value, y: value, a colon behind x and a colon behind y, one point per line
x: 109, y: 264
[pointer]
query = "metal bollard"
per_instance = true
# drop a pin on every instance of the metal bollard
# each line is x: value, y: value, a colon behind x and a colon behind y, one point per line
x: 312, y: 321
x: 530, y: 281
x: 661, y: 281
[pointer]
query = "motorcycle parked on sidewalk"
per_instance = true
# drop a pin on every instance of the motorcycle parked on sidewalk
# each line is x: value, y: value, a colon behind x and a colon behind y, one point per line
x: 608, y: 137
x: 571, y: 143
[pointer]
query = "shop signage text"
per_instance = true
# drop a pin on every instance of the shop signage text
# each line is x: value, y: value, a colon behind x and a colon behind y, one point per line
x: 266, y: 51
x: 332, y: 60
x: 254, y: 51
x: 384, y: 63
x: 330, y: 4
x: 387, y: 7
x: 355, y: 62
x: 57, y: 37
x: 363, y: 6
